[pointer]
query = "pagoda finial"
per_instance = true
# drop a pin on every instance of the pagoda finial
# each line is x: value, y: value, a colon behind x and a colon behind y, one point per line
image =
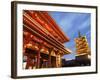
x: 79, y: 34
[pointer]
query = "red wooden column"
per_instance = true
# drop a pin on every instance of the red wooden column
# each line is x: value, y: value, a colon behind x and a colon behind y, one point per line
x: 49, y: 59
x: 38, y: 59
x: 58, y: 59
x: 38, y: 56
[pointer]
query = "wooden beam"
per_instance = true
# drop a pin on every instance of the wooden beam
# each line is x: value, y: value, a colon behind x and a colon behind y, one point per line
x: 42, y: 37
x: 54, y: 23
x: 43, y: 30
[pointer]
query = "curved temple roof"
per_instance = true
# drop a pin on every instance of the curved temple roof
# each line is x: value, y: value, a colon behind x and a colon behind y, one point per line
x: 44, y: 25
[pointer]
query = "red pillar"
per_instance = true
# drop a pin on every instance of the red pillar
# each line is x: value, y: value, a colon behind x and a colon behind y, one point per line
x: 38, y: 59
x: 38, y: 56
x: 49, y: 59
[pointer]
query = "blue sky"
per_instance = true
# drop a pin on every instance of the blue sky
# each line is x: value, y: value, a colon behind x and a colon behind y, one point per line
x: 71, y: 23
